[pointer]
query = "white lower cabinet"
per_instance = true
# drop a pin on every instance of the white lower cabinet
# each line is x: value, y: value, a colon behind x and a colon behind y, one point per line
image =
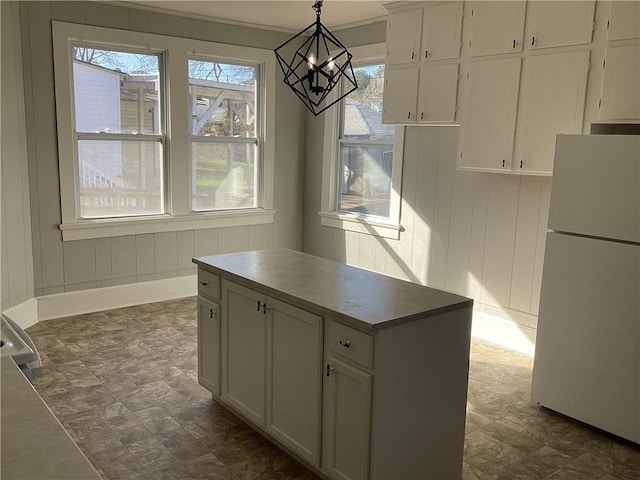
x: 271, y: 367
x: 347, y: 420
x: 294, y: 388
x: 209, y: 345
x: 243, y: 350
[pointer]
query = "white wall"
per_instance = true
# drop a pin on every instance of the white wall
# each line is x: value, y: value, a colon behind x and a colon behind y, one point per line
x: 16, y: 263
x: 85, y: 264
x: 477, y: 234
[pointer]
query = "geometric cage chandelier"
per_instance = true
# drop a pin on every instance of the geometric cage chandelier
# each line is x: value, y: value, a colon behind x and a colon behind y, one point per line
x: 313, y: 64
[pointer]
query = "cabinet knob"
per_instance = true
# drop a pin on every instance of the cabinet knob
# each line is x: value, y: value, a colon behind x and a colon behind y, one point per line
x: 504, y: 163
x: 426, y: 54
x: 409, y: 115
x: 534, y: 41
x: 421, y: 115
x: 204, y: 284
x: 515, y: 44
x: 413, y: 55
x: 345, y: 343
x: 521, y: 163
x: 258, y: 307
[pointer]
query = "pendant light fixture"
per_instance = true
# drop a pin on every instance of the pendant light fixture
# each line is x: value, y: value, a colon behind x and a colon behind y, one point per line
x: 317, y: 63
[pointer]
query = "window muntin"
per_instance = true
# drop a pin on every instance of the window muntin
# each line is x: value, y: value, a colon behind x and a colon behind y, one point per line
x: 365, y: 145
x: 224, y: 134
x: 118, y: 127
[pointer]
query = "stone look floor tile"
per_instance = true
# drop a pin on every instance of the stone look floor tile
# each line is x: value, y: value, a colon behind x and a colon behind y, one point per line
x: 124, y: 384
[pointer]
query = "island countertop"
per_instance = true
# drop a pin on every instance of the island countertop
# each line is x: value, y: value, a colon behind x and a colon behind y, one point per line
x: 365, y: 299
x: 34, y: 444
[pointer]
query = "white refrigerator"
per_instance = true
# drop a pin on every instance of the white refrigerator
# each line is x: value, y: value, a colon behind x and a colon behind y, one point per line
x: 587, y: 359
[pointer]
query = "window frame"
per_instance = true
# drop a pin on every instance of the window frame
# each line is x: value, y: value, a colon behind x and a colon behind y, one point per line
x: 330, y: 216
x: 178, y: 212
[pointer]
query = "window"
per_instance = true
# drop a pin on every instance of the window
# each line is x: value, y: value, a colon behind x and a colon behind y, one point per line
x: 361, y: 178
x: 224, y: 134
x: 365, y: 148
x: 161, y: 133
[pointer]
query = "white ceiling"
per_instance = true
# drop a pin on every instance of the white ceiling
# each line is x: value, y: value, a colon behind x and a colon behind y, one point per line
x: 289, y: 15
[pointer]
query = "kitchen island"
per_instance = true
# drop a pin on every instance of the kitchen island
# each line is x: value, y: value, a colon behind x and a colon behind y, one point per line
x: 357, y: 374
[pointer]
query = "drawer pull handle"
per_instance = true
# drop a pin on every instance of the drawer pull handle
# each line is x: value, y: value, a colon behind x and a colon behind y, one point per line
x: 345, y: 344
x: 204, y: 284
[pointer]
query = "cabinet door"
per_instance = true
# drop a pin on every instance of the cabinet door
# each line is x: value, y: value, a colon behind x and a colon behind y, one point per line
x: 551, y: 83
x: 403, y: 36
x: 496, y: 27
x: 294, y: 378
x: 558, y: 23
x: 347, y: 424
x: 441, y: 30
x: 490, y: 115
x: 624, y: 20
x: 620, y: 91
x: 243, y: 350
x: 209, y: 345
x: 400, y: 94
x: 437, y: 93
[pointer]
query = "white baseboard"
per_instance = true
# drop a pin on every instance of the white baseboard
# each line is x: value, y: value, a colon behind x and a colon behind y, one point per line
x: 67, y: 304
x: 24, y: 314
x: 498, y: 326
x: 98, y: 299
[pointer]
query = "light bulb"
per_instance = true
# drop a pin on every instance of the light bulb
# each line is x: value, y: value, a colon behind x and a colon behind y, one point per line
x: 312, y: 62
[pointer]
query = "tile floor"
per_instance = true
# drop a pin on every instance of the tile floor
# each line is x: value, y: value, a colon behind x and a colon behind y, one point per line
x: 123, y: 383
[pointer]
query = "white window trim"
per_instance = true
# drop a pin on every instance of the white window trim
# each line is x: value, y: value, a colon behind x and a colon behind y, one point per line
x: 329, y: 216
x: 179, y: 216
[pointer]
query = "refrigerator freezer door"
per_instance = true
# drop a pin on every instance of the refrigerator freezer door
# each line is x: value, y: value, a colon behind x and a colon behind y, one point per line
x: 596, y: 186
x: 587, y: 361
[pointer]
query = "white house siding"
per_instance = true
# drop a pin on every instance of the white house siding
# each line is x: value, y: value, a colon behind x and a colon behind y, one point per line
x: 97, y: 99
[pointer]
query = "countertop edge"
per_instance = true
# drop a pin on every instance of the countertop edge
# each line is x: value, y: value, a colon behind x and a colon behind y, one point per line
x: 327, y: 312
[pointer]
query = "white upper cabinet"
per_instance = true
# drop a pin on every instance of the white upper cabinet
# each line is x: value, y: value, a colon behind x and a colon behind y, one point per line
x: 624, y: 20
x: 400, y: 94
x: 559, y: 23
x: 496, y: 27
x: 437, y: 93
x: 403, y: 36
x: 489, y: 122
x: 552, y: 102
x: 621, y: 87
x: 441, y: 31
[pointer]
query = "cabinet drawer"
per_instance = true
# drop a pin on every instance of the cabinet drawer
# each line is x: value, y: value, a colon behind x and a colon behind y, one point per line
x: 208, y: 284
x: 351, y: 344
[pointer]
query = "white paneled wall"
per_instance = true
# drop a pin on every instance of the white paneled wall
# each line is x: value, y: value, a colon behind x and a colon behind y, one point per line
x: 113, y: 261
x: 16, y: 262
x: 476, y: 234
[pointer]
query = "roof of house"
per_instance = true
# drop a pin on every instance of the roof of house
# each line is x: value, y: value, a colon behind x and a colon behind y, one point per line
x: 361, y: 120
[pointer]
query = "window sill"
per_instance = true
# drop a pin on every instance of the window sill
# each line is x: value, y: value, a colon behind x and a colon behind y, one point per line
x: 360, y: 224
x: 100, y: 228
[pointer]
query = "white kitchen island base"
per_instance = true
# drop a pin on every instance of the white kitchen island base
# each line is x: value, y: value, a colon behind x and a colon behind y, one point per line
x: 356, y: 374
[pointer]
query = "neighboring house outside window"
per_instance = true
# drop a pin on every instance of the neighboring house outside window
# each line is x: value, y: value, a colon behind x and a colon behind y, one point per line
x: 224, y: 132
x: 161, y: 133
x: 363, y: 156
x: 119, y: 131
